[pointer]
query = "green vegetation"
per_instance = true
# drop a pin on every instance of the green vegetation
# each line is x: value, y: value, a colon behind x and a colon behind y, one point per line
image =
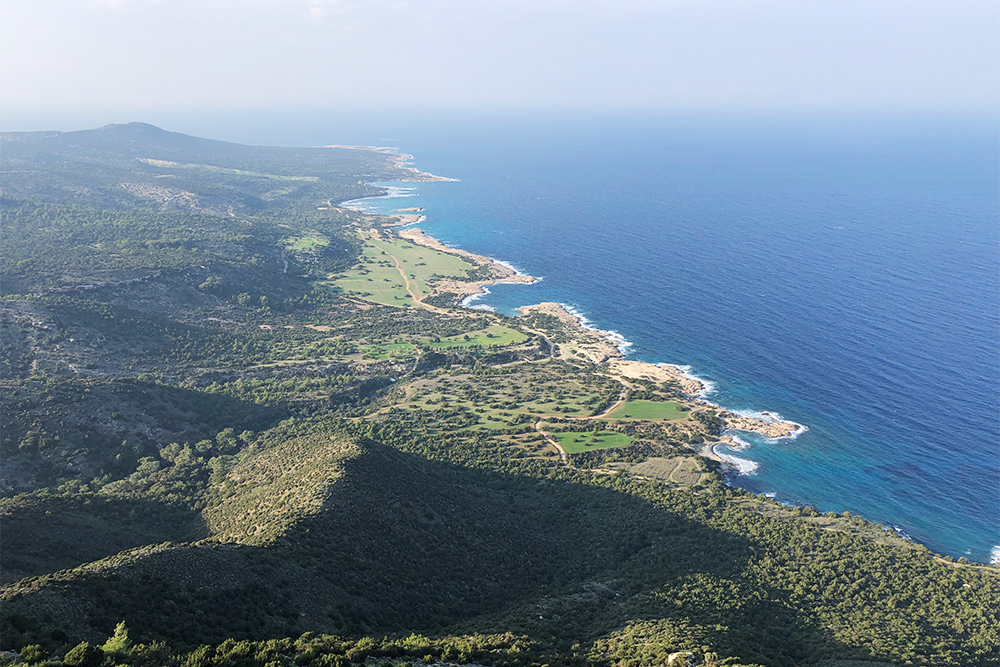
x: 310, y: 242
x: 491, y: 336
x: 574, y: 443
x: 649, y: 410
x: 226, y: 442
x: 377, y: 276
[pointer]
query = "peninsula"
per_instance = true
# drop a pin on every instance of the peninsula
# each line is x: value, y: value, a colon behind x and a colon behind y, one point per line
x: 245, y: 426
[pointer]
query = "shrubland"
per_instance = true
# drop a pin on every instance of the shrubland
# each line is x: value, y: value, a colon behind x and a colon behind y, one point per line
x: 215, y: 455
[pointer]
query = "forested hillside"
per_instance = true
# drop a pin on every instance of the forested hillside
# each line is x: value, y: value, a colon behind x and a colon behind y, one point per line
x: 243, y: 426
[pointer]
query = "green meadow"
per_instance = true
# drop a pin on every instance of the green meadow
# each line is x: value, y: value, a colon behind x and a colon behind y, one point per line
x: 309, y: 242
x: 575, y: 442
x: 656, y: 410
x: 491, y: 336
x: 376, y: 277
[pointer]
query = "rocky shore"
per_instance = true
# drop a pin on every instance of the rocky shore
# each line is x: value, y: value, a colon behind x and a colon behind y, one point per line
x: 494, y: 270
x: 599, y: 347
x: 594, y: 345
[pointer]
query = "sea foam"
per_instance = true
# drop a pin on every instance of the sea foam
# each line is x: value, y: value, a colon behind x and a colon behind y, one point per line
x: 510, y: 266
x: 392, y: 192
x: 622, y: 343
x: 465, y: 303
x: 708, y: 387
x: 743, y: 466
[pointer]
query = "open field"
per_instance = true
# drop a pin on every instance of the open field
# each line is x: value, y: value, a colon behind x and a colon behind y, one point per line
x: 376, y: 277
x: 211, y: 169
x: 309, y: 242
x: 421, y: 264
x: 492, y: 336
x: 575, y: 442
x: 649, y: 410
x: 683, y: 470
x: 390, y: 351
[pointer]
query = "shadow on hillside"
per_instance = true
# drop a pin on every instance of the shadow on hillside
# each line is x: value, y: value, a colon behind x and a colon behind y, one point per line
x: 403, y: 544
x: 42, y: 535
x: 96, y: 428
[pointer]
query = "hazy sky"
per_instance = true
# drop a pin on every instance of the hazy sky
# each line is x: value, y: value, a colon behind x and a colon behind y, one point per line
x: 64, y: 55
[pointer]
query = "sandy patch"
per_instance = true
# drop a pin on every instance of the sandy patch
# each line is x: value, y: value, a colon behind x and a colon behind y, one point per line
x: 641, y: 370
x: 593, y: 344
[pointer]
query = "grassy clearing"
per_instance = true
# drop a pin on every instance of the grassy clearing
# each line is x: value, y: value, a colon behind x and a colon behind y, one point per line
x: 421, y: 264
x: 492, y: 336
x: 654, y: 410
x: 376, y: 278
x: 211, y: 169
x: 310, y: 242
x: 390, y: 351
x: 574, y: 443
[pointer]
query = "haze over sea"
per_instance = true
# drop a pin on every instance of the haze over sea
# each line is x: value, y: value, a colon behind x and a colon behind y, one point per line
x: 843, y: 271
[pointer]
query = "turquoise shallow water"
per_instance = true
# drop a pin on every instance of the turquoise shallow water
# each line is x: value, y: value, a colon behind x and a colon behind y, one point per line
x: 842, y: 272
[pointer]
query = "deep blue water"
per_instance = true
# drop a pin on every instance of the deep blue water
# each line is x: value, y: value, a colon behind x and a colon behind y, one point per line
x: 843, y: 271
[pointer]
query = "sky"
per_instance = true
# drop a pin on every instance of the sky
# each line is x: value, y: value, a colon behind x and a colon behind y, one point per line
x: 134, y: 56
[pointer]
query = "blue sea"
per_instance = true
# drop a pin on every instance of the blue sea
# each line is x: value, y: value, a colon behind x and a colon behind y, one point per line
x: 842, y: 270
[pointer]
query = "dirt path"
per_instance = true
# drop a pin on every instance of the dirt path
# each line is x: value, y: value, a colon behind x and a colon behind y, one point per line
x: 409, y: 288
x: 614, y: 406
x: 551, y: 441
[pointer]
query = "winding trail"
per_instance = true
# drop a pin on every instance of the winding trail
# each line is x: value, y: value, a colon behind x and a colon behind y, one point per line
x: 551, y: 441
x: 622, y: 395
x: 414, y: 294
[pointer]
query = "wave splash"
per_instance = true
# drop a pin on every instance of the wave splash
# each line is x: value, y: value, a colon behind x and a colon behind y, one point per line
x: 708, y: 387
x: 742, y: 466
x: 467, y: 302
x: 392, y: 192
x: 622, y: 343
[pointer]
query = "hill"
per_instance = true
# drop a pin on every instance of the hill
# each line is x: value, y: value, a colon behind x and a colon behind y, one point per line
x: 219, y: 435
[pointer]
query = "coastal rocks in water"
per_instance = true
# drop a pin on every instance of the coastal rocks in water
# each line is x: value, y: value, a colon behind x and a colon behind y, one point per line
x: 592, y: 344
x: 492, y: 271
x: 767, y: 426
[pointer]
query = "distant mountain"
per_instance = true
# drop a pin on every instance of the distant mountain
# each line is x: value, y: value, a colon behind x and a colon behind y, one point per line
x: 140, y: 165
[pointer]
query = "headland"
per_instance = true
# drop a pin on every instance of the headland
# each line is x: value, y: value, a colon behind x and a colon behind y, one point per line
x: 598, y: 346
x: 493, y: 271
